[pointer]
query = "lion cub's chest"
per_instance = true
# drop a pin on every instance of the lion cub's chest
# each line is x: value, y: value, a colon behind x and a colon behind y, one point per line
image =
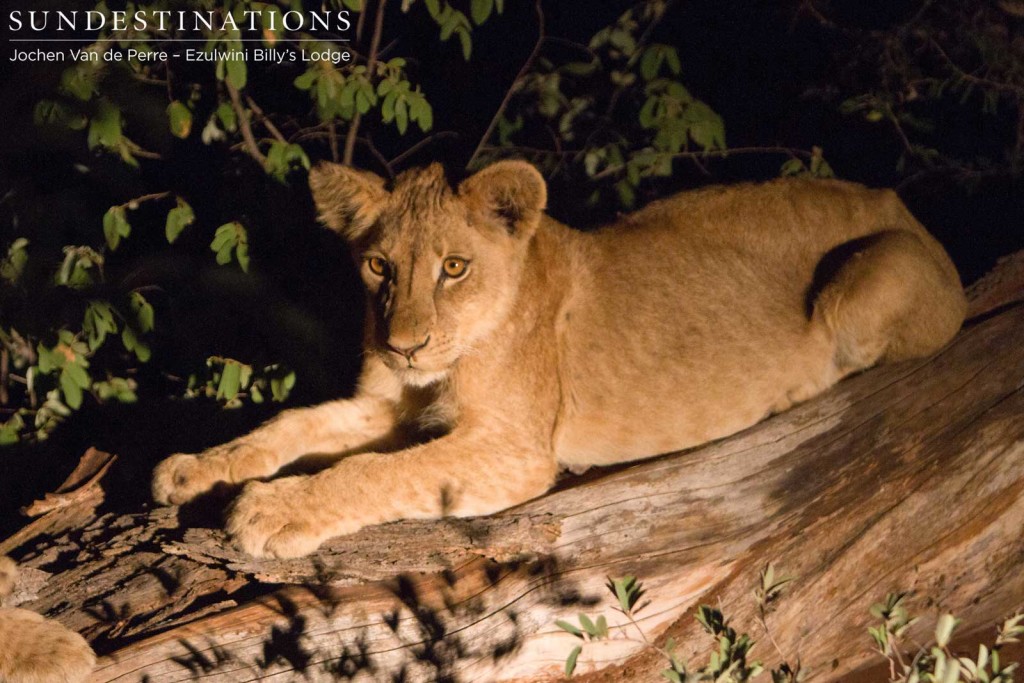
x: 427, y: 412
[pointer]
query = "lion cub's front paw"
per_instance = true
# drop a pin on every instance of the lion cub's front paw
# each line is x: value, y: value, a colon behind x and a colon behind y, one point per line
x: 180, y: 478
x: 284, y: 518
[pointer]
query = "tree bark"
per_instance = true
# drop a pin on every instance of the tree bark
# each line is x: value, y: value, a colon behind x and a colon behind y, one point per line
x: 908, y: 477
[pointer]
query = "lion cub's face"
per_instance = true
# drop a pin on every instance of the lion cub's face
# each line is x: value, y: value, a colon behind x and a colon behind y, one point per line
x: 441, y: 266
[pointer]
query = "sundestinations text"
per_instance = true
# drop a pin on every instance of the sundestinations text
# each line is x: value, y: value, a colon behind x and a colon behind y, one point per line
x: 177, y: 20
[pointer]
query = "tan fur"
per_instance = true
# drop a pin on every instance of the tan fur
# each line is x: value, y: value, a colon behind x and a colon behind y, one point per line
x: 34, y: 649
x: 684, y: 322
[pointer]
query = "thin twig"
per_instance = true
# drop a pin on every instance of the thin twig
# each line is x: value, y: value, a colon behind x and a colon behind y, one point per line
x: 377, y: 155
x: 508, y: 93
x: 371, y: 62
x: 264, y: 119
x: 134, y: 202
x: 637, y: 50
x: 359, y: 26
x: 430, y: 139
x: 697, y: 157
x: 5, y: 359
x: 988, y: 83
x: 332, y: 136
x: 243, y: 123
x: 138, y: 151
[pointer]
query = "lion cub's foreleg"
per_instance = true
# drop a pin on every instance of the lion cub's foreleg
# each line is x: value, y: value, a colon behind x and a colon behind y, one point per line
x: 465, y: 473
x: 890, y: 299
x: 327, y: 428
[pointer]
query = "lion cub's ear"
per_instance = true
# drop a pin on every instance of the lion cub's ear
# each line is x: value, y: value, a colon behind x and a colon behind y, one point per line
x: 348, y: 200
x: 514, y: 192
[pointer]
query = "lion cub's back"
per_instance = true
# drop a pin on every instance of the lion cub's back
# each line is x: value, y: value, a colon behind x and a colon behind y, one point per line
x: 692, y: 319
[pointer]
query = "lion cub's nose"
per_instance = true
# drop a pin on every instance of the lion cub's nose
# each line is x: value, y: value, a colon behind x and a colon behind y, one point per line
x: 404, y: 347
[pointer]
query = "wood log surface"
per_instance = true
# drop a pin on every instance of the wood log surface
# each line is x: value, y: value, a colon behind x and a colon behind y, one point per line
x: 907, y: 477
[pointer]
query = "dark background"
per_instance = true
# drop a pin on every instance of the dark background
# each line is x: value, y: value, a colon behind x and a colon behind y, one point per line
x: 769, y: 74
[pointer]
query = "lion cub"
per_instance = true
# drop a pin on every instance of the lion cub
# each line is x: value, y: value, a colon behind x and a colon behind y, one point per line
x: 34, y: 649
x: 530, y: 346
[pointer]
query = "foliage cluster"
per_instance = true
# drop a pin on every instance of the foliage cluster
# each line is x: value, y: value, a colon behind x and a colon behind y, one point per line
x: 730, y: 661
x: 942, y: 67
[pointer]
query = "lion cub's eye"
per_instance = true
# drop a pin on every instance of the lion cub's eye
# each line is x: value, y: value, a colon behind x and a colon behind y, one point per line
x: 377, y: 266
x: 454, y: 267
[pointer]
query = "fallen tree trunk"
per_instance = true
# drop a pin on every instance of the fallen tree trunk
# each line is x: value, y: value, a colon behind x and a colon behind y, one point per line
x: 908, y: 477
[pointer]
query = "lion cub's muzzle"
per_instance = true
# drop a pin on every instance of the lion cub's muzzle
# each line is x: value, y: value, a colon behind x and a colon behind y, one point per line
x: 406, y: 347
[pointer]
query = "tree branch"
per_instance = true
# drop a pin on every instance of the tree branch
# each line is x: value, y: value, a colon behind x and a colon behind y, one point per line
x: 371, y: 62
x: 265, y: 120
x: 250, y: 145
x: 395, y: 162
x: 508, y: 94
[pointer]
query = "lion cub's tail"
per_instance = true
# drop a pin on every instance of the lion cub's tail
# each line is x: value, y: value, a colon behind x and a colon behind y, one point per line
x: 34, y: 649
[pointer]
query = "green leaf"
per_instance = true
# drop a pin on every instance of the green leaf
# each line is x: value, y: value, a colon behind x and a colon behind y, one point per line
x: 588, y: 625
x: 305, y: 80
x: 77, y: 374
x: 281, y: 385
x: 98, y: 323
x: 80, y: 80
x: 362, y: 101
x: 242, y: 254
x: 480, y: 10
x: 705, y: 126
x: 47, y: 361
x: 231, y: 236
x: 71, y: 390
x: 10, y: 431
x: 105, y: 126
x: 467, y: 42
x: 387, y: 107
x: 180, y: 118
x: 143, y: 311
x: 236, y: 73
x: 133, y: 343
x: 566, y: 626
x: 51, y: 112
x: 115, y: 225
x: 117, y: 388
x: 401, y: 116
x: 792, y: 167
x: 426, y: 116
x: 627, y: 196
x: 224, y: 235
x: 224, y: 256
x: 14, y: 265
x: 671, y: 675
x: 672, y: 59
x: 230, y: 380
x: 227, y: 116
x: 651, y: 62
x: 178, y: 218
x: 944, y: 629
x: 570, y: 661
